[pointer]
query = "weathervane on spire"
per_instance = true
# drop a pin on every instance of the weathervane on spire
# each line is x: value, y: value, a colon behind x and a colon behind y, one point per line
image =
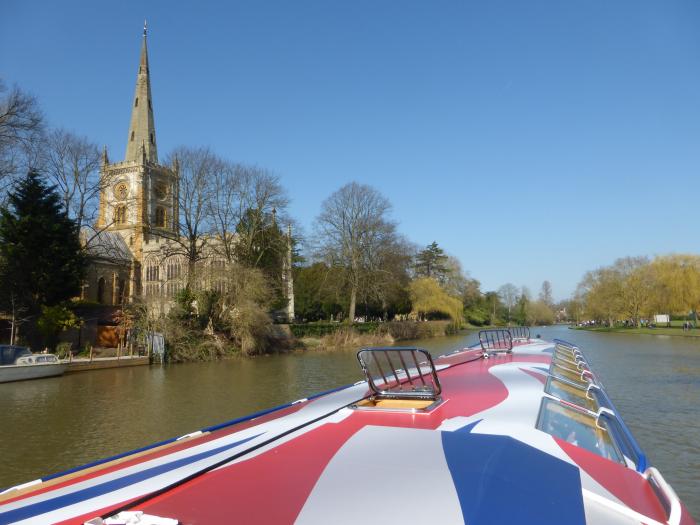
x: 145, y: 27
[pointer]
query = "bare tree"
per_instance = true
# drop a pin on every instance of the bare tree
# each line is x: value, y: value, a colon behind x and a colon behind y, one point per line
x: 509, y: 295
x: 262, y: 206
x: 72, y: 164
x: 224, y: 208
x: 21, y: 125
x: 352, y: 226
x: 546, y: 293
x: 246, y: 204
x: 196, y: 167
x: 387, y: 276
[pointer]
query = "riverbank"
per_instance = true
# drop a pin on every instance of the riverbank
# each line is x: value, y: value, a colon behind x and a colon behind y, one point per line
x: 100, y: 363
x: 312, y: 337
x: 672, y: 331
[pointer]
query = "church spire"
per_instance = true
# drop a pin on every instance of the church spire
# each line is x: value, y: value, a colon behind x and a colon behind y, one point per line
x: 142, y: 131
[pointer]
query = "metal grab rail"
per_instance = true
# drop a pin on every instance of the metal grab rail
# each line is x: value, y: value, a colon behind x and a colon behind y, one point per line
x: 566, y: 344
x: 670, y: 500
x: 496, y: 340
x: 627, y: 440
x: 519, y: 332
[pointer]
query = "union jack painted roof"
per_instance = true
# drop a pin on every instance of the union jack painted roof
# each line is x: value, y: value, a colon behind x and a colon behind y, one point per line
x: 480, y: 454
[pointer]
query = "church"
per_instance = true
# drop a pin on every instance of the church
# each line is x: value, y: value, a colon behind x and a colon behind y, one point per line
x: 138, y: 219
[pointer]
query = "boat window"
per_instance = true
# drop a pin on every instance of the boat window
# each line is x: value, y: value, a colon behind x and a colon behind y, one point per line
x: 571, y: 367
x: 572, y: 375
x: 569, y: 393
x: 569, y: 360
x: 578, y: 428
x: 566, y: 352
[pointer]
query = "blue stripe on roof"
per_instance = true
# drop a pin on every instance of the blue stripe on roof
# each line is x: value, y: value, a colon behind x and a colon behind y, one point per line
x: 107, y: 460
x: 211, y: 428
x: 58, y: 502
x: 500, y: 480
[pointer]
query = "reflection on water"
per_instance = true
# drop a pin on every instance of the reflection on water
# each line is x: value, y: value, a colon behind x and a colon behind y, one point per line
x: 53, y: 424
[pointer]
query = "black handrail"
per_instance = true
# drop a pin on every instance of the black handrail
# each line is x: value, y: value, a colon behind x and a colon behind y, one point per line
x: 520, y: 332
x: 496, y: 340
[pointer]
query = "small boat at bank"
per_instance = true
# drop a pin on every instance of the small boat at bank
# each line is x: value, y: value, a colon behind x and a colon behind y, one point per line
x: 17, y: 363
x: 512, y: 430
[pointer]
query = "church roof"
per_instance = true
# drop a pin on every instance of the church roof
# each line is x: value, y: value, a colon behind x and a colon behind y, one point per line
x: 107, y: 245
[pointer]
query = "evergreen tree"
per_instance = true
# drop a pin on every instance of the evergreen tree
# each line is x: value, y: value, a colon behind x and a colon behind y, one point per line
x: 42, y: 260
x: 432, y: 262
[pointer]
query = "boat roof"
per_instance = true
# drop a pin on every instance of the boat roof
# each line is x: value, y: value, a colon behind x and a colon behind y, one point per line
x: 503, y: 439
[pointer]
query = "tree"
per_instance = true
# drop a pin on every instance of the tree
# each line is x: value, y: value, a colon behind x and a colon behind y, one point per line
x: 428, y: 297
x: 432, y: 262
x: 248, y: 298
x: 21, y: 124
x: 53, y: 321
x: 262, y: 205
x: 43, y: 262
x: 196, y: 168
x: 245, y: 202
x: 676, y: 283
x: 316, y: 290
x: 522, y: 311
x: 636, y: 286
x: 386, y: 279
x: 71, y: 164
x: 454, y: 279
x: 492, y: 301
x: 546, y: 294
x: 352, y: 227
x: 601, y: 293
x: 509, y: 295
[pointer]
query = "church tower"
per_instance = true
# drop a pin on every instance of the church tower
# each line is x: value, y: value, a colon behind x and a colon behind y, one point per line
x: 139, y: 197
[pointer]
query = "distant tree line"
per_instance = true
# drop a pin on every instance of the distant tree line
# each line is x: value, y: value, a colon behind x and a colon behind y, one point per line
x: 636, y: 288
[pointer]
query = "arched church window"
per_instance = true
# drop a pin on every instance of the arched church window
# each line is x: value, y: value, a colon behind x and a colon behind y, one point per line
x: 152, y: 272
x: 132, y: 136
x: 136, y: 102
x: 101, y: 290
x: 173, y: 269
x: 151, y: 138
x: 160, y: 217
x: 120, y: 214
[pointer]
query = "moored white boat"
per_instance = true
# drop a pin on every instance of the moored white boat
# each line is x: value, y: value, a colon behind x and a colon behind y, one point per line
x: 25, y: 365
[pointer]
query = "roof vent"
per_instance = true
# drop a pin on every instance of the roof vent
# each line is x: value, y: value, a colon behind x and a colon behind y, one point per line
x: 400, y: 372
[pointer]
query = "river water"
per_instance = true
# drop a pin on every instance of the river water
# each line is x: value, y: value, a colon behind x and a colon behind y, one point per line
x: 49, y: 425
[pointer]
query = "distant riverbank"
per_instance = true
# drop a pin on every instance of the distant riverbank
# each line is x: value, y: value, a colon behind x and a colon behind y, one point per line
x: 673, y: 330
x: 336, y: 337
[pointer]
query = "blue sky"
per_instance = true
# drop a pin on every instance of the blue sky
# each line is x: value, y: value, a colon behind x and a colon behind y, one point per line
x: 532, y: 140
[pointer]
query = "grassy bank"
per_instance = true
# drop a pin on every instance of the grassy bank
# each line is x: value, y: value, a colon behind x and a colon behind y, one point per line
x: 329, y: 336
x: 673, y: 330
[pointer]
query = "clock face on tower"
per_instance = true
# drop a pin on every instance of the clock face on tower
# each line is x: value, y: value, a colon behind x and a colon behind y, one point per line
x: 121, y: 190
